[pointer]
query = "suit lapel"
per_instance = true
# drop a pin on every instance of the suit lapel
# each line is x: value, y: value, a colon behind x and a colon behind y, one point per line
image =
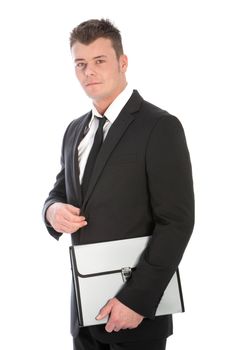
x: 114, y: 135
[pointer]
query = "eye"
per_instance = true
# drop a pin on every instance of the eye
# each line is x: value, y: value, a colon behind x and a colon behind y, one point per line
x: 80, y: 65
x: 99, y: 61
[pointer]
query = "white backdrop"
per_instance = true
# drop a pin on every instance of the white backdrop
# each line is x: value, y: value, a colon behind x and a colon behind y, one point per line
x: 180, y: 58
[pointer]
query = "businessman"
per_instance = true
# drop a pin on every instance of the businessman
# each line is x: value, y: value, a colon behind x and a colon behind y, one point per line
x: 125, y: 172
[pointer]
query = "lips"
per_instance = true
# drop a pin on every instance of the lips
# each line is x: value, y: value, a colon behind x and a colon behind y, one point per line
x: 92, y: 83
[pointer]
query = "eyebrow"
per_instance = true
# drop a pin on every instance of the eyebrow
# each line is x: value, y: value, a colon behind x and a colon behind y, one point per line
x: 94, y: 58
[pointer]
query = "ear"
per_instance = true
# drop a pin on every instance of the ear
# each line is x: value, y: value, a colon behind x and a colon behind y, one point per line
x: 123, y: 63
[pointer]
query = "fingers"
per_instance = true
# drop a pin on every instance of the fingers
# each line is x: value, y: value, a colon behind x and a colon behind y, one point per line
x: 65, y: 218
x: 105, y: 311
x: 67, y: 227
x: 113, y: 323
x: 120, y: 316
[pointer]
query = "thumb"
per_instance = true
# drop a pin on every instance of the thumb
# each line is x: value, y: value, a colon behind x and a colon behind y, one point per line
x: 105, y: 311
x: 73, y: 210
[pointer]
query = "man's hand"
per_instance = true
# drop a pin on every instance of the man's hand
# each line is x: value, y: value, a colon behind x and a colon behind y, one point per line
x: 65, y: 218
x: 120, y: 316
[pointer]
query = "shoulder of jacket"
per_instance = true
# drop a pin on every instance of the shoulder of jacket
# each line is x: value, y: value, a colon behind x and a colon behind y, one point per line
x: 154, y: 114
x: 78, y: 121
x: 74, y: 124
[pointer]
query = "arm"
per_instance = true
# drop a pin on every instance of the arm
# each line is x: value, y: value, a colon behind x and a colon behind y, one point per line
x: 59, y: 216
x: 170, y: 189
x: 56, y: 195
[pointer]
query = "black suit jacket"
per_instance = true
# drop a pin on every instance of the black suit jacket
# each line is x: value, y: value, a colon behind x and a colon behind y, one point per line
x: 141, y: 184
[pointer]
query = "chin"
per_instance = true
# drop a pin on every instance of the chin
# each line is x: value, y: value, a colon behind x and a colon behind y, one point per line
x: 93, y: 93
x: 96, y: 96
x: 92, y: 96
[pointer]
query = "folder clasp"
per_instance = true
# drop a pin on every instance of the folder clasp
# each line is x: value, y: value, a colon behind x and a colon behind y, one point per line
x: 126, y: 273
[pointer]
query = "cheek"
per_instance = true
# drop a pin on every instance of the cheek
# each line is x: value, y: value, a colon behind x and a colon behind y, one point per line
x: 79, y: 76
x: 112, y: 77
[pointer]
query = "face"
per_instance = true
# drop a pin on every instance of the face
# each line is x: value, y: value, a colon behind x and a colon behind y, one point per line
x: 99, y: 71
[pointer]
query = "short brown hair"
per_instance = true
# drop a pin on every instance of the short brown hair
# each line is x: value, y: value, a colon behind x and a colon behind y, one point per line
x: 88, y: 31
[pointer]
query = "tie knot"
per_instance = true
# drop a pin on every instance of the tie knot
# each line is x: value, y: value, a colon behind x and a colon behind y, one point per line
x: 101, y: 121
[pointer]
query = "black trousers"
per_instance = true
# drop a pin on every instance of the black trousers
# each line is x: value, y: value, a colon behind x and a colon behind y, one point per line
x: 85, y: 341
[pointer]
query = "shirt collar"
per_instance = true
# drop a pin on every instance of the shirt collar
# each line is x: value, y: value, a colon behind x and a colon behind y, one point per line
x: 116, y: 106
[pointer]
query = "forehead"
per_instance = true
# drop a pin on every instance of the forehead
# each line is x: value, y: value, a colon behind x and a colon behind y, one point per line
x: 99, y: 47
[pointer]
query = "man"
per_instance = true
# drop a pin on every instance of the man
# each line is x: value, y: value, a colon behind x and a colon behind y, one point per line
x: 140, y: 184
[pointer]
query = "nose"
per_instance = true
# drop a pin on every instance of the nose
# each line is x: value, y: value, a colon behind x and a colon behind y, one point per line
x: 89, y: 70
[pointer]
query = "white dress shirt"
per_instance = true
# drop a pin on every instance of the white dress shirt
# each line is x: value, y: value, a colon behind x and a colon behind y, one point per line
x: 111, y: 114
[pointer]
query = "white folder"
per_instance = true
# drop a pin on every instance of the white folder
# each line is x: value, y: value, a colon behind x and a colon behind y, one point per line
x: 99, y: 271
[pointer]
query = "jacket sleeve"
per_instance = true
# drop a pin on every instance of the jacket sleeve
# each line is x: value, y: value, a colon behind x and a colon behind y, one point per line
x: 171, y: 196
x: 58, y: 193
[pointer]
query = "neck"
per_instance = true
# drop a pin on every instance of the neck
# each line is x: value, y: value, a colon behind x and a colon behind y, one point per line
x: 103, y: 104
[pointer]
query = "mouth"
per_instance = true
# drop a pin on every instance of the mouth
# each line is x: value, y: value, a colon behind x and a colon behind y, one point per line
x: 92, y: 84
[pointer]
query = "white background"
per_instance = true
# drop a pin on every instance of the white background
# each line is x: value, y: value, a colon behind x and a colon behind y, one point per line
x: 180, y: 58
